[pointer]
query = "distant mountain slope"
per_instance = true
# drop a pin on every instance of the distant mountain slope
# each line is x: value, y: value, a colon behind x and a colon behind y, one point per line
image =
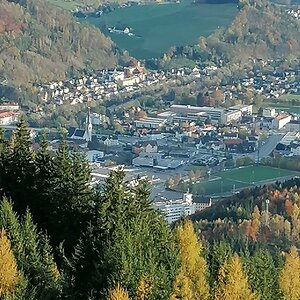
x: 39, y: 43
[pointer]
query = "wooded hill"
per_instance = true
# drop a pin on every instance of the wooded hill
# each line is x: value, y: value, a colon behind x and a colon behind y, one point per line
x: 39, y: 42
x: 260, y: 30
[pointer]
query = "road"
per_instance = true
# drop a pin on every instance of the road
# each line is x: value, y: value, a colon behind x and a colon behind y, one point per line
x: 267, y: 147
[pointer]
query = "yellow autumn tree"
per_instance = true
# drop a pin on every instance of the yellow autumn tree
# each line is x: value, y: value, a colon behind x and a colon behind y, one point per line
x: 118, y: 293
x: 191, y: 282
x: 233, y: 283
x: 289, y: 277
x: 9, y: 274
x: 144, y: 288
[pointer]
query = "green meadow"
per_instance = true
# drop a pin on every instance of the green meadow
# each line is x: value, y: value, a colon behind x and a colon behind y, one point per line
x: 157, y: 27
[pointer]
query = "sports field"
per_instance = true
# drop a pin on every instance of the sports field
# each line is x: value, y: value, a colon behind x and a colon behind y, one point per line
x: 231, y: 180
x: 157, y: 27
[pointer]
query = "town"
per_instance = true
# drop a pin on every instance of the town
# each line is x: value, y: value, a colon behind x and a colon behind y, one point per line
x: 182, y: 149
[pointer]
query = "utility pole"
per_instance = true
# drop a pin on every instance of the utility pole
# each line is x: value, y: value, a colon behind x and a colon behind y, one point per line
x: 258, y: 147
x: 267, y: 212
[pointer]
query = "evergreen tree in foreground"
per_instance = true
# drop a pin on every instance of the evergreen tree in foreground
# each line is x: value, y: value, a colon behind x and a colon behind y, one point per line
x: 127, y: 240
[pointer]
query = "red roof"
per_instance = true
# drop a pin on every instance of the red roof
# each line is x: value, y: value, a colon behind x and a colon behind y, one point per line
x: 233, y: 142
x: 5, y: 114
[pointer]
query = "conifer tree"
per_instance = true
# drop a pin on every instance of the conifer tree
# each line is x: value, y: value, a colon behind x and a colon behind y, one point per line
x: 233, y: 283
x: 9, y: 275
x: 263, y: 275
x: 118, y: 293
x: 289, y: 277
x: 124, y: 242
x: 193, y: 271
x: 19, y: 178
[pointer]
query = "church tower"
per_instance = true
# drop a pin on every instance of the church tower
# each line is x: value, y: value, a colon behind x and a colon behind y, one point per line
x: 88, y: 127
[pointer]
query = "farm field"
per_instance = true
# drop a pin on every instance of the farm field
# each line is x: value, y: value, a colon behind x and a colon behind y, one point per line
x: 230, y: 180
x: 157, y: 27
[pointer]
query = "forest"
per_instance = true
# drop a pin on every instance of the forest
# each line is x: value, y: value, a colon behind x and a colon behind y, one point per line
x: 62, y: 238
x: 261, y: 30
x: 40, y: 43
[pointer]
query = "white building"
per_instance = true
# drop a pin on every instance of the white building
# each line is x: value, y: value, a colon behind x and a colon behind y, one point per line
x: 280, y: 121
x: 10, y: 106
x: 175, y: 209
x: 8, y: 117
x: 269, y: 112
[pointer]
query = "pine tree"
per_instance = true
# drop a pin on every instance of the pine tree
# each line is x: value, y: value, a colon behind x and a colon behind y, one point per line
x: 289, y: 277
x: 233, y: 283
x: 125, y: 241
x: 263, y: 275
x: 118, y: 293
x: 9, y: 275
x: 193, y: 266
x: 19, y: 179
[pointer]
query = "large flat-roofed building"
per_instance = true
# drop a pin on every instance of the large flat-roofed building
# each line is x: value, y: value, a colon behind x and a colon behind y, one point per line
x: 245, y: 109
x: 150, y: 123
x: 293, y: 125
x: 217, y: 115
x: 173, y: 210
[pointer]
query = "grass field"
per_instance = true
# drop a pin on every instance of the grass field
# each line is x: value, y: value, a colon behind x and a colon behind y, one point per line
x: 160, y: 26
x: 288, y: 107
x: 67, y: 5
x: 226, y: 181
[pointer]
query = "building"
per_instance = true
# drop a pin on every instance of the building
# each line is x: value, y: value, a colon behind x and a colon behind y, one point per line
x: 293, y: 125
x: 246, y: 110
x: 150, y: 123
x: 9, y: 107
x: 176, y: 209
x: 202, y: 202
x: 217, y: 115
x: 289, y: 138
x: 148, y: 147
x: 94, y: 155
x: 8, y: 117
x: 280, y: 121
x: 269, y: 112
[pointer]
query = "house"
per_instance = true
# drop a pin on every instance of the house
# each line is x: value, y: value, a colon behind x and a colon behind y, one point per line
x: 147, y: 147
x: 9, y: 106
x: 281, y: 120
x: 94, y: 155
x: 110, y: 141
x: 293, y: 125
x: 269, y: 112
x: 202, y: 202
x: 233, y: 144
x: 8, y: 117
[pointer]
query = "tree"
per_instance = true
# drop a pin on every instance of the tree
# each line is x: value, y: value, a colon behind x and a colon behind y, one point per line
x: 9, y: 275
x: 232, y: 282
x: 126, y: 239
x: 289, y: 276
x: 263, y: 275
x: 144, y: 288
x: 118, y: 293
x: 191, y: 282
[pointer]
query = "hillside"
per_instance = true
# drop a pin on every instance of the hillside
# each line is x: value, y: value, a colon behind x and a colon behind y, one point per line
x: 40, y: 43
x: 260, y: 30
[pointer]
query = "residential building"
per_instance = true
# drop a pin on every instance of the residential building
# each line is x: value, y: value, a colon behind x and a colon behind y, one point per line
x: 244, y: 109
x: 94, y: 155
x: 8, y: 117
x: 11, y: 106
x: 280, y: 121
x: 293, y: 125
x: 176, y: 209
x: 148, y: 147
x: 202, y: 202
x: 269, y: 112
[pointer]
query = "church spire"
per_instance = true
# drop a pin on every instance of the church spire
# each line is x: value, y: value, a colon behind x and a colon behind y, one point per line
x: 88, y: 126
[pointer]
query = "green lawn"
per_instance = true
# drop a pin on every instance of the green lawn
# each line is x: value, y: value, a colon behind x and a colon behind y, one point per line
x: 226, y: 181
x: 160, y: 26
x: 65, y: 4
x: 288, y: 107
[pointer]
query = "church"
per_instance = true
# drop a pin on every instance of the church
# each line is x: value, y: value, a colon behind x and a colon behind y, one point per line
x: 81, y: 135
